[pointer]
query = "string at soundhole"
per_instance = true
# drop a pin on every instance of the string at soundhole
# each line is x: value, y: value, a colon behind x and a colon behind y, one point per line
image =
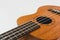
x: 23, y: 30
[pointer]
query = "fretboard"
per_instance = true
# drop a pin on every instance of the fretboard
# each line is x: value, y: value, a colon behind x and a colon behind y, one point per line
x: 20, y: 31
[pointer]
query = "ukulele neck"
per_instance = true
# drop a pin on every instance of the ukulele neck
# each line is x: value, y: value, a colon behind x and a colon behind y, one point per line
x: 20, y: 31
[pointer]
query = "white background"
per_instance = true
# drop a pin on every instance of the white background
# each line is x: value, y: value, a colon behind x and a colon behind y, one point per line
x: 10, y: 10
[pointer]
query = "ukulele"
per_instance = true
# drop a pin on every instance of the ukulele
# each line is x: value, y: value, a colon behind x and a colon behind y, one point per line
x: 44, y: 24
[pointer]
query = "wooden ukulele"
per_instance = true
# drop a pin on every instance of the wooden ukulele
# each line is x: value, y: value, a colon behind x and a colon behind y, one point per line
x: 44, y: 24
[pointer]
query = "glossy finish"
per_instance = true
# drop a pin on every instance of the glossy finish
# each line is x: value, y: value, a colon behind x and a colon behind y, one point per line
x: 47, y: 31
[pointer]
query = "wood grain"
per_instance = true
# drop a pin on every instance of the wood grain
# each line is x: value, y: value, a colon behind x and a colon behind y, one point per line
x: 47, y: 31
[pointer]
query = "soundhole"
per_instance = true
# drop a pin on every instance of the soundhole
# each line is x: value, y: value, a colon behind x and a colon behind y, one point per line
x: 44, y: 20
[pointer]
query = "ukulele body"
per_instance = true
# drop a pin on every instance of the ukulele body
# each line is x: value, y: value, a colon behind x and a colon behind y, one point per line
x: 46, y: 31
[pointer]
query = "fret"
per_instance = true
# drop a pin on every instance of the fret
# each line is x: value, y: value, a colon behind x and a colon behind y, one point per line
x: 20, y: 34
x: 24, y: 32
x: 15, y: 29
x: 20, y: 31
x: 12, y: 34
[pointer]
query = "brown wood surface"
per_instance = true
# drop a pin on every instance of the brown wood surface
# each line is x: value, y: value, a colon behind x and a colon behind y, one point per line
x: 47, y: 31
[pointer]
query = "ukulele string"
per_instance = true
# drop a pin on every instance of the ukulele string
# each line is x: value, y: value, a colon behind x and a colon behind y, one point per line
x: 19, y: 32
x: 15, y: 29
x: 49, y: 15
x: 23, y: 32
